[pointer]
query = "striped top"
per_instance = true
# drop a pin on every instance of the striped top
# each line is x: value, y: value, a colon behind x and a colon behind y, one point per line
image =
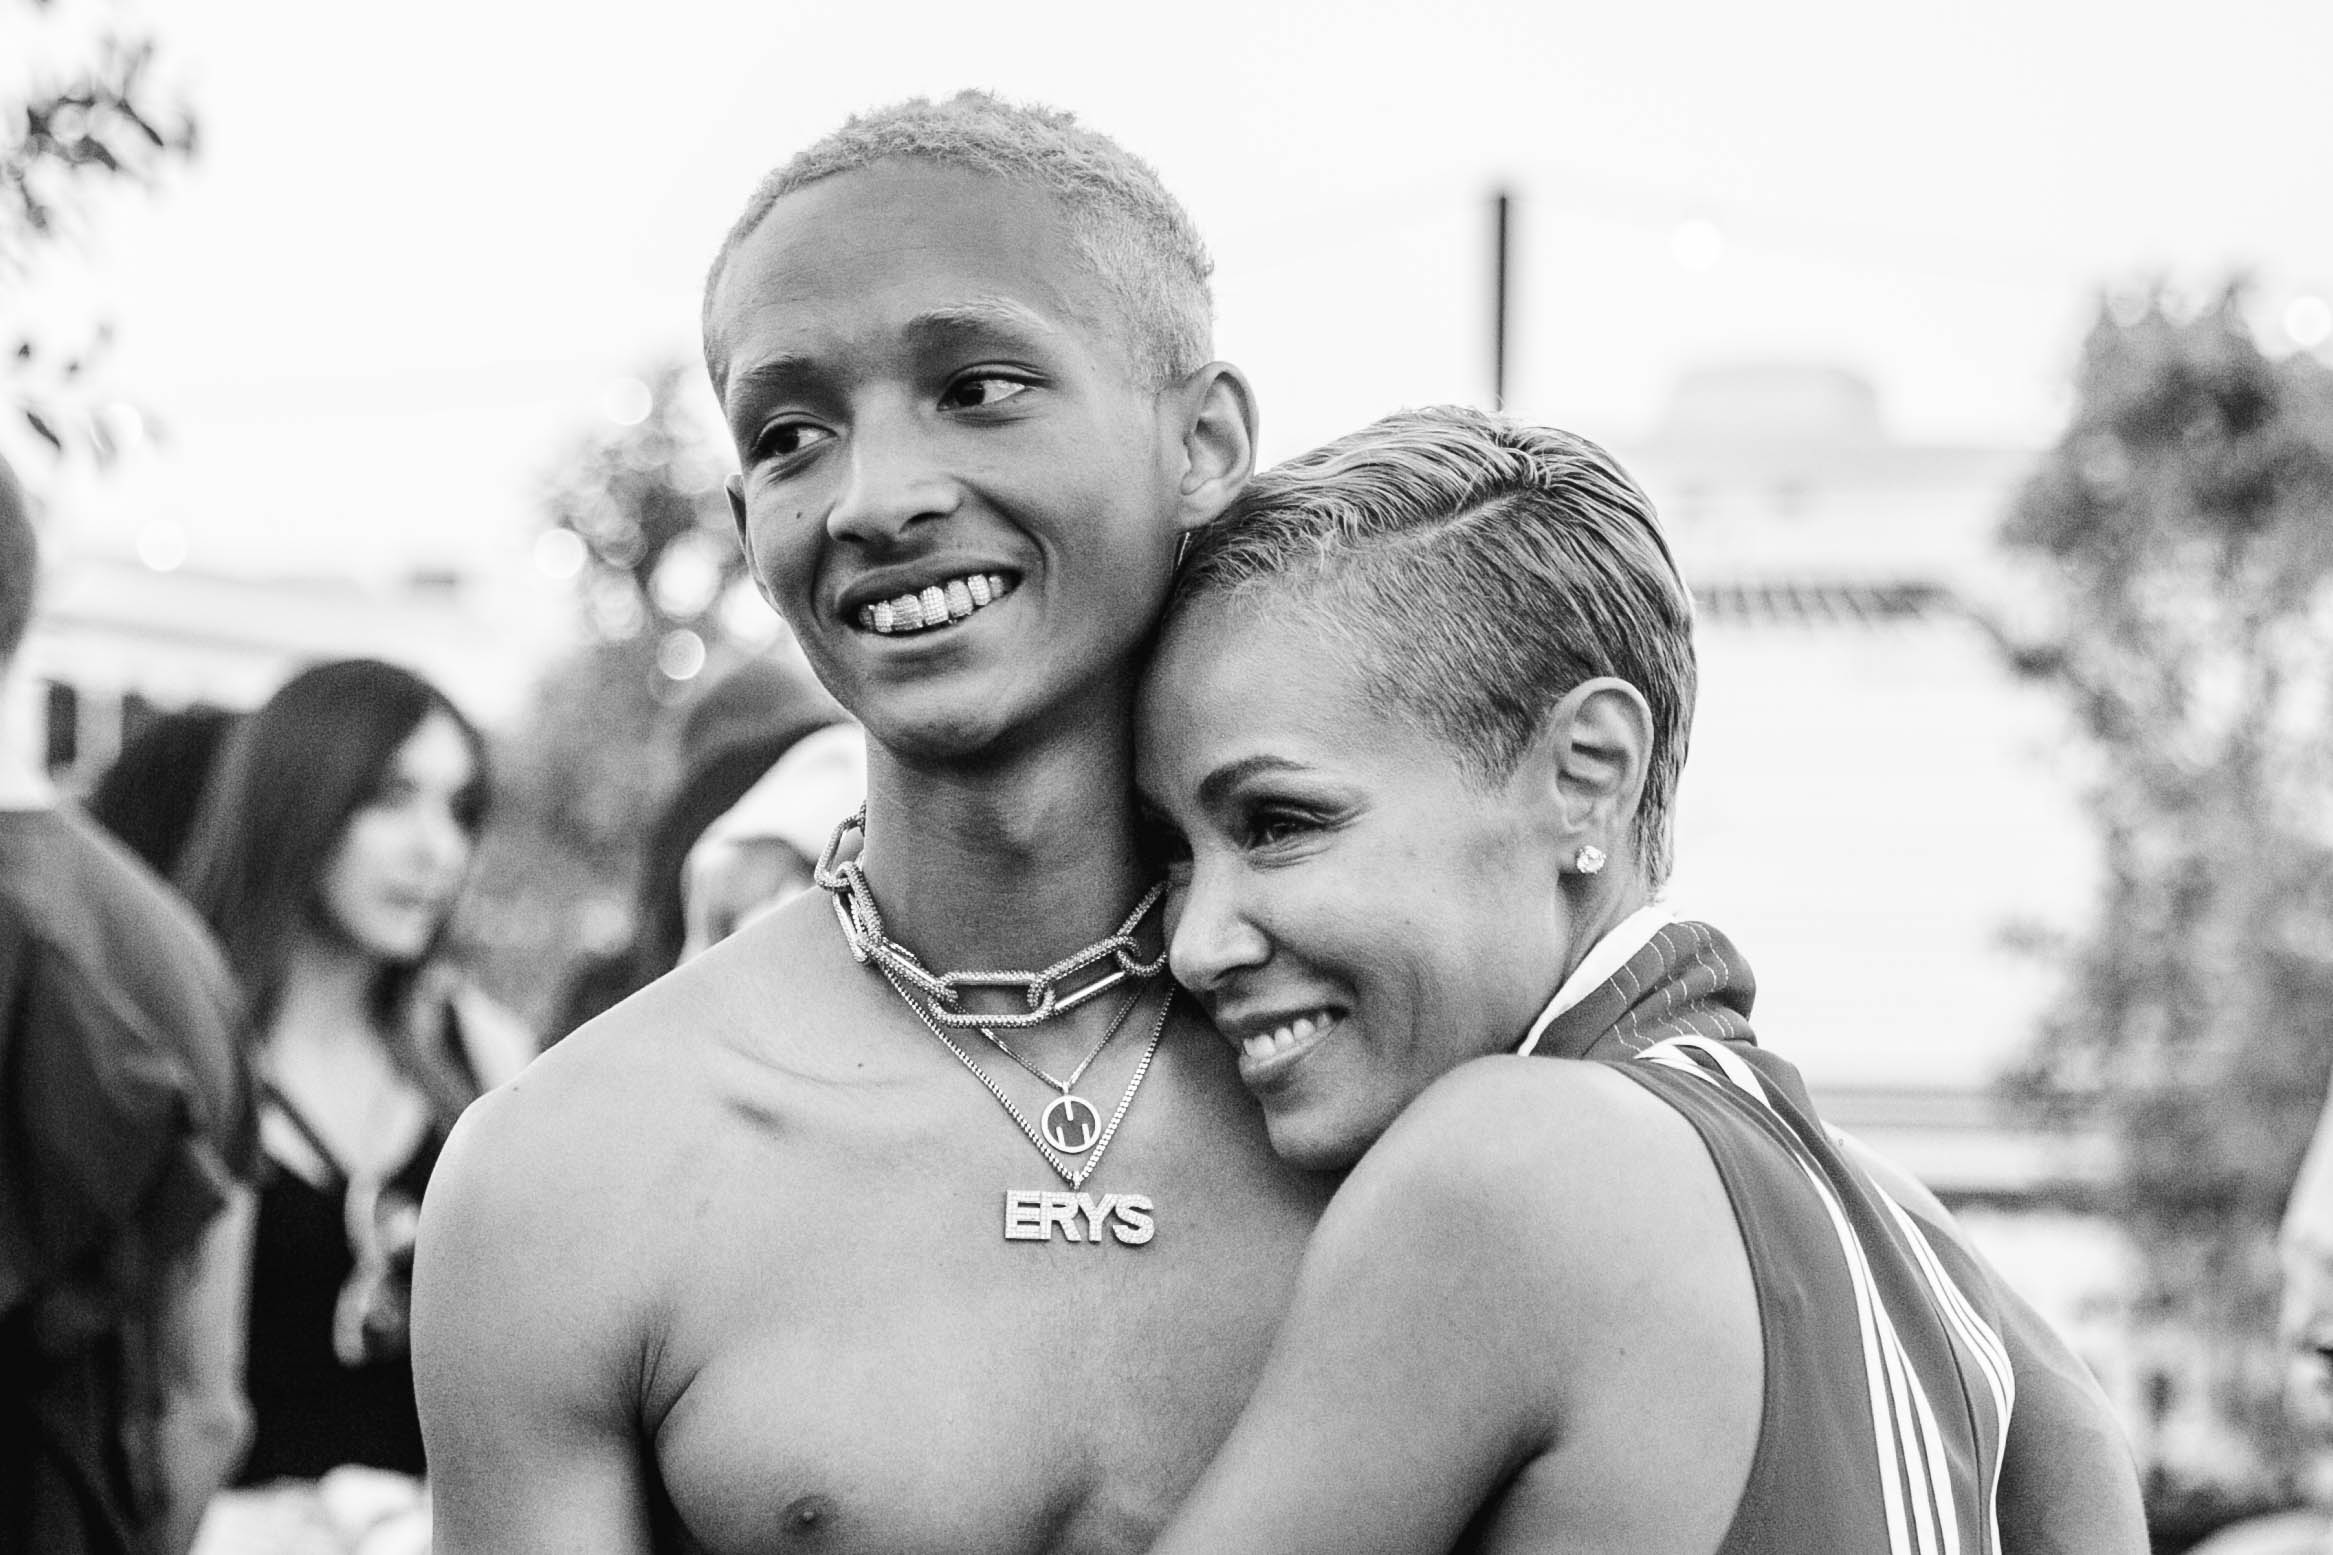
x: 1887, y: 1386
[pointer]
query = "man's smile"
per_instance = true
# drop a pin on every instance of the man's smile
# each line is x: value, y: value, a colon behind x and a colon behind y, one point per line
x: 933, y: 605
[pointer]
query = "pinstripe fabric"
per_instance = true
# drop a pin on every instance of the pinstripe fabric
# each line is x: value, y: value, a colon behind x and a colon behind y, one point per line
x: 1888, y: 1389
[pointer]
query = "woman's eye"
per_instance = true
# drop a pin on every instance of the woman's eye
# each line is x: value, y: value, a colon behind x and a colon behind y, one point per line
x: 981, y: 390
x: 1266, y: 828
x: 788, y: 438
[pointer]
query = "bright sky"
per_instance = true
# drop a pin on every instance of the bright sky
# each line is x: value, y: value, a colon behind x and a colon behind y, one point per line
x: 425, y: 242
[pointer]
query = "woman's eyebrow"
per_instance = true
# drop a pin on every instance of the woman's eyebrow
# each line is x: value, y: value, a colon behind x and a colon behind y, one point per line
x: 1218, y: 785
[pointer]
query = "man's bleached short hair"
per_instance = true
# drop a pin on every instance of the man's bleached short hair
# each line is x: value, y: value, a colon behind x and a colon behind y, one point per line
x: 1475, y: 570
x: 19, y: 564
x: 1120, y: 218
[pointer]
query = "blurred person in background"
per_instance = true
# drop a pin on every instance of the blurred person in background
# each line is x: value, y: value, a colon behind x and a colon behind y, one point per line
x: 763, y: 851
x: 149, y: 794
x: 2304, y: 1250
x: 334, y: 840
x: 728, y: 740
x: 126, y: 1143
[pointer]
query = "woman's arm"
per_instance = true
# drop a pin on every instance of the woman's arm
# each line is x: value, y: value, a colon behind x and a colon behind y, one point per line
x: 1521, y: 1297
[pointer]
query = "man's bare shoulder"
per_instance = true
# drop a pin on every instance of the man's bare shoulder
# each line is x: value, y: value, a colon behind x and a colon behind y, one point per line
x: 608, y: 1125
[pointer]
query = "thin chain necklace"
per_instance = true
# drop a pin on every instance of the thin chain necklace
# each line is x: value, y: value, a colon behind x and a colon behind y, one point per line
x: 943, y: 992
x: 1071, y: 1122
x: 1075, y: 1176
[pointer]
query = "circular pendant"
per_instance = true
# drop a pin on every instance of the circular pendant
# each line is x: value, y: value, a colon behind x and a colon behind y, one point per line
x: 1071, y: 1125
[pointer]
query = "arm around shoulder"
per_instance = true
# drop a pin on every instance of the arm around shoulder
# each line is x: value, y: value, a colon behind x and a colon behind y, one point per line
x: 1456, y: 1313
x: 526, y: 1347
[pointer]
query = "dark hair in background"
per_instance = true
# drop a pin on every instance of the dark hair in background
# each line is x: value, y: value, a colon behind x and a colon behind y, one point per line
x: 151, y: 793
x: 19, y: 563
x: 727, y: 738
x: 288, y: 783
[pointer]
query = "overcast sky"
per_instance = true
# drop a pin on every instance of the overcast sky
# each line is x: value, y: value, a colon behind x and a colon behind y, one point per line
x: 424, y: 241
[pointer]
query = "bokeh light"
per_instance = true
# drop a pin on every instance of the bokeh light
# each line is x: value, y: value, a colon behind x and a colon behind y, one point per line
x: 681, y: 654
x: 162, y: 544
x: 559, y: 553
x: 2309, y: 321
x: 627, y: 402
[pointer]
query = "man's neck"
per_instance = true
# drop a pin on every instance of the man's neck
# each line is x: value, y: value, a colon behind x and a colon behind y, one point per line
x: 1011, y: 864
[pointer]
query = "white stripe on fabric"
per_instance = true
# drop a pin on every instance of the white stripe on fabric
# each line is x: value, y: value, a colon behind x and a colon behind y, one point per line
x: 1991, y: 1353
x: 1907, y: 1440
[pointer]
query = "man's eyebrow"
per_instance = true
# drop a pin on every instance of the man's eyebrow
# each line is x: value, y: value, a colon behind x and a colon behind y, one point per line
x: 1217, y: 786
x: 979, y: 315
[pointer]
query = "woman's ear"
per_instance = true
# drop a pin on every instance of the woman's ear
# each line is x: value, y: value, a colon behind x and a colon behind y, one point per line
x: 1596, y: 749
x: 1217, y: 427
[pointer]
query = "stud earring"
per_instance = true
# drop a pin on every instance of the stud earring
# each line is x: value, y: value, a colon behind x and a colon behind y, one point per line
x: 1589, y: 860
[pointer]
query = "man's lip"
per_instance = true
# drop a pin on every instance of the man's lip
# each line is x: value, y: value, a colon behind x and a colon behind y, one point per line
x: 875, y: 587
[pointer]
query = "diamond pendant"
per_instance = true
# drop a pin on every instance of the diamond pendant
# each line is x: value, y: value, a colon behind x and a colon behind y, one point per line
x: 1071, y: 1124
x: 1033, y: 1214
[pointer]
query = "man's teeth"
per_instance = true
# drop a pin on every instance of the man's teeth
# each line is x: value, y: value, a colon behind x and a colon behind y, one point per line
x: 935, y: 606
x: 1265, y: 1043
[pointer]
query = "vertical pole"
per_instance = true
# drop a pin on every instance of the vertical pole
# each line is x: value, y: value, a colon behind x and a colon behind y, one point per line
x: 1500, y: 244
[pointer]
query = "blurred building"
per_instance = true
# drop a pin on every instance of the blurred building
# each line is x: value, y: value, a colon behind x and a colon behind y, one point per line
x: 1878, y: 811
x: 117, y: 640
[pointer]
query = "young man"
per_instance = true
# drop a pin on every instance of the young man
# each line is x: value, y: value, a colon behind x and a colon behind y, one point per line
x: 126, y: 1136
x: 761, y: 1259
x: 788, y: 1251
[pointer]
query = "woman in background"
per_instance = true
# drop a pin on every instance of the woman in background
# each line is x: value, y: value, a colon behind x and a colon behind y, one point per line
x: 332, y: 844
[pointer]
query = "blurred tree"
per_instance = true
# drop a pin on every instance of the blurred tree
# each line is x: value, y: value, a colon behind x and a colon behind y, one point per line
x: 77, y: 122
x: 638, y: 519
x: 2185, y: 524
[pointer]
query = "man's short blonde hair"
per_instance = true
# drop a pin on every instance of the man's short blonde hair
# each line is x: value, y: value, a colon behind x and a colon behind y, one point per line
x: 1476, y: 570
x: 1120, y: 218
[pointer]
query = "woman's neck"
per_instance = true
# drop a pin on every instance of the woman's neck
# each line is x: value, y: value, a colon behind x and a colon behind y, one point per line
x: 326, y: 999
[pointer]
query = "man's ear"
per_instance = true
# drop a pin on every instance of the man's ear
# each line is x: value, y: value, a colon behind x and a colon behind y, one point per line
x: 1218, y: 447
x: 1596, y: 749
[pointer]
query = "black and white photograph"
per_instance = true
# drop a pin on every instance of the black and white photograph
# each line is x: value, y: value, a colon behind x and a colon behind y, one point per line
x: 823, y: 780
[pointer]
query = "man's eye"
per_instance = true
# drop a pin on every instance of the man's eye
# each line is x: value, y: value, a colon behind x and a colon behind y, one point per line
x: 980, y: 390
x: 788, y: 438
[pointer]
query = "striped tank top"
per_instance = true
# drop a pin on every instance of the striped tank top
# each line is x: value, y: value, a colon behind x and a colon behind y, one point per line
x: 1887, y: 1386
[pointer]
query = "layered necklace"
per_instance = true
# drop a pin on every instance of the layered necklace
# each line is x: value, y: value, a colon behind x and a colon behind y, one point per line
x: 1070, y: 1126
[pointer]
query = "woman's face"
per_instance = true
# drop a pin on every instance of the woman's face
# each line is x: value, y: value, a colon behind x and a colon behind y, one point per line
x: 1357, y: 913
x: 402, y: 860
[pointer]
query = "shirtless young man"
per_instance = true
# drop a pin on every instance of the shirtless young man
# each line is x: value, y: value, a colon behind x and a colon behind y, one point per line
x: 754, y: 1261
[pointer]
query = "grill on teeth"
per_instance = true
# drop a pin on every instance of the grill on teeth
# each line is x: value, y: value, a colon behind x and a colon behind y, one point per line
x: 938, y: 605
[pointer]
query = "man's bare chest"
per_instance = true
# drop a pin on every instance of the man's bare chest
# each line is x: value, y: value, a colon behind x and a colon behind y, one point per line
x: 914, y: 1339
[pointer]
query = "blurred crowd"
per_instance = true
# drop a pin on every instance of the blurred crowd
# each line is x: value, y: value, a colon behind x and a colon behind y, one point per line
x: 234, y: 1036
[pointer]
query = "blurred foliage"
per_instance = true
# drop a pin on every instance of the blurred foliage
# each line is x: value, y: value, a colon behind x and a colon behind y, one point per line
x: 636, y: 512
x: 74, y: 130
x: 2185, y: 523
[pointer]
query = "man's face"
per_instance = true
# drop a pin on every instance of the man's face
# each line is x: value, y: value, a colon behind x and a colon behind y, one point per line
x: 951, y: 483
x: 1356, y: 911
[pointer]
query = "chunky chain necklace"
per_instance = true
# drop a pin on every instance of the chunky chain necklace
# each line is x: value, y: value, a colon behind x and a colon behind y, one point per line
x: 1070, y: 1125
x: 943, y: 992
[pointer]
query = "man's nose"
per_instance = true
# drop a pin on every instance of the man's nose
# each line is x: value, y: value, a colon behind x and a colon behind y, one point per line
x: 1211, y: 933
x: 893, y: 479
